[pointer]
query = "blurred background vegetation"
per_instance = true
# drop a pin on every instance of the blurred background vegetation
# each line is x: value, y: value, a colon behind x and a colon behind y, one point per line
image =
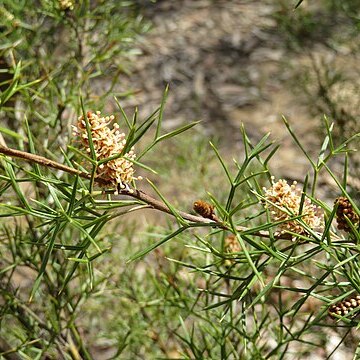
x: 227, y: 63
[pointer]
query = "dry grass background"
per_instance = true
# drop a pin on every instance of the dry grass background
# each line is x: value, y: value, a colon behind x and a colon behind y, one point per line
x: 230, y: 63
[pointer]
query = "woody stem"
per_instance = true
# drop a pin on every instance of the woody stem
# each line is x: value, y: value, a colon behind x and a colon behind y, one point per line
x: 137, y: 194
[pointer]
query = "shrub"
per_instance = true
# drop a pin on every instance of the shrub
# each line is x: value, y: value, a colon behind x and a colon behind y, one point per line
x: 265, y: 268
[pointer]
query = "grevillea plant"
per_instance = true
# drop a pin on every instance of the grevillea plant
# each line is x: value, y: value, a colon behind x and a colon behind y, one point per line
x: 271, y: 263
x: 121, y: 240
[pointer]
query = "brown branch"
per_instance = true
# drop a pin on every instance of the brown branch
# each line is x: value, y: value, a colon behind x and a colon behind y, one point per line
x: 137, y: 194
x: 158, y: 205
x: 41, y: 161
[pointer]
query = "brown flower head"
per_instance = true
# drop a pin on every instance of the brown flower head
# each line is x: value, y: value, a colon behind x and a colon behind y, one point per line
x: 108, y: 142
x: 344, y: 307
x: 204, y: 209
x: 345, y: 208
x: 284, y: 200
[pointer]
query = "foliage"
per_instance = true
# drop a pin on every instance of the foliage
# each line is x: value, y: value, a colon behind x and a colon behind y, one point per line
x: 68, y: 52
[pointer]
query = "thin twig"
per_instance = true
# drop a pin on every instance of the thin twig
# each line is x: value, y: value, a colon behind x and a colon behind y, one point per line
x: 137, y: 194
x: 42, y: 161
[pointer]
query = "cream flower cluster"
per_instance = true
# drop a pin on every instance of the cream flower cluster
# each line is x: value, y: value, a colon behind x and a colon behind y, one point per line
x: 66, y: 5
x: 107, y: 143
x: 283, y: 201
x: 231, y: 246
